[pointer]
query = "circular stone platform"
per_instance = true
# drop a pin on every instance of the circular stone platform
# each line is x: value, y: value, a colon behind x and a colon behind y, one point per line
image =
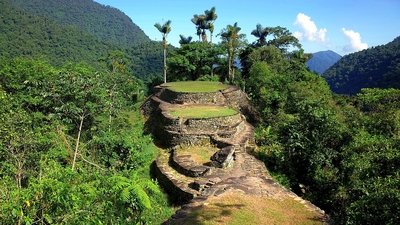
x: 193, y: 161
x: 200, y: 111
x: 200, y: 155
x: 195, y: 86
x: 193, y: 92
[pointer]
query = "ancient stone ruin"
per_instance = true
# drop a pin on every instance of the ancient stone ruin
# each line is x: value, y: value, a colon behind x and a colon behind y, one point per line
x: 207, y: 156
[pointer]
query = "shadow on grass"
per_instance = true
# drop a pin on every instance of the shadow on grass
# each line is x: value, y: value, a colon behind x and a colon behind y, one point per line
x: 205, y: 214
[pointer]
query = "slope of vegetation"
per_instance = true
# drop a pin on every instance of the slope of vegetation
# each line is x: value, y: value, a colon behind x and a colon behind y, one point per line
x: 107, y: 24
x: 339, y: 153
x: 40, y: 29
x: 72, y: 147
x: 25, y: 34
x: 377, y: 67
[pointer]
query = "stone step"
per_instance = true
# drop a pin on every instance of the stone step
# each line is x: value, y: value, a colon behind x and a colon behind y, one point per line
x: 176, y: 184
x: 230, y: 89
x: 186, y: 166
x: 242, y: 137
x: 202, y: 185
x: 191, y: 98
x: 184, y: 188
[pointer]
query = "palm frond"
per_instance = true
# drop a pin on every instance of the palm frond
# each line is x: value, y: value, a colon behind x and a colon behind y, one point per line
x: 158, y: 26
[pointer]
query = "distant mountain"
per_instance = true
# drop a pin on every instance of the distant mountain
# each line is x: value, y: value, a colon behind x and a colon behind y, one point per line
x: 23, y: 34
x: 375, y: 67
x: 321, y: 61
x: 75, y: 31
x: 108, y: 24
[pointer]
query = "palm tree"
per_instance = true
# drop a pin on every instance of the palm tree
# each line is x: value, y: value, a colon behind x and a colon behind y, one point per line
x: 232, y: 40
x: 211, y: 29
x: 185, y: 40
x: 211, y: 16
x: 164, y: 29
x: 201, y: 26
x: 261, y: 33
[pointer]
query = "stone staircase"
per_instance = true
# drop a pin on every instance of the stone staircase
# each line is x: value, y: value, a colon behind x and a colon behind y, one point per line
x: 188, y: 181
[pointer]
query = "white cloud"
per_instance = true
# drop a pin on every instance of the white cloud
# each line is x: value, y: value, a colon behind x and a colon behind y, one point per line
x: 355, y: 41
x: 308, y: 29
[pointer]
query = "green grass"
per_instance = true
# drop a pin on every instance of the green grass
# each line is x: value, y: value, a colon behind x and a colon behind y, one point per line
x: 199, y: 154
x: 195, y: 86
x: 239, y: 209
x: 201, y: 111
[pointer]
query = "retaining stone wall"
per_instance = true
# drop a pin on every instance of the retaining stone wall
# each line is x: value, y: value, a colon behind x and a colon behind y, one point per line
x: 192, y: 98
x: 174, y: 138
x: 179, y: 195
x: 171, y: 131
x: 202, y: 125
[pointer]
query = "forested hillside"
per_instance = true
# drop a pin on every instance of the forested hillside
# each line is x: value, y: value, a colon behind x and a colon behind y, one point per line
x: 25, y: 34
x: 375, y: 67
x: 60, y: 33
x: 321, y: 61
x: 108, y: 24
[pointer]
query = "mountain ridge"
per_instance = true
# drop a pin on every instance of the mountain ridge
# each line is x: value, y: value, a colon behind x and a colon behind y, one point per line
x: 27, y: 35
x: 38, y: 32
x: 322, y: 60
x: 376, y: 67
x: 104, y: 22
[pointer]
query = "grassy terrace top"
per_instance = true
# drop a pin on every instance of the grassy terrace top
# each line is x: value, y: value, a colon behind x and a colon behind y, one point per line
x: 195, y: 86
x: 199, y: 154
x: 201, y: 111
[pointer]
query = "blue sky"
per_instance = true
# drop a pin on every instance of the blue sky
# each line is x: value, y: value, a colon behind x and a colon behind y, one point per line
x: 343, y: 26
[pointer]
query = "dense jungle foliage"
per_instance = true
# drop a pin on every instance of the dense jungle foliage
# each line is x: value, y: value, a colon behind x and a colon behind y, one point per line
x: 72, y: 148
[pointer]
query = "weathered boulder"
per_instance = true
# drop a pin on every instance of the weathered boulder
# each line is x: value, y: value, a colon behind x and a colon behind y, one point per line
x: 224, y: 157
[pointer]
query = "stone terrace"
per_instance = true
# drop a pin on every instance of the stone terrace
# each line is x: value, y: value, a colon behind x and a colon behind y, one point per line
x: 231, y: 168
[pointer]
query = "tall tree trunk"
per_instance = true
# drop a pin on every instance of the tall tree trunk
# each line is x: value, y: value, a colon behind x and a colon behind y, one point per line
x: 19, y: 173
x: 109, y: 119
x: 165, y: 65
x: 204, y: 36
x: 165, y: 58
x: 229, y: 65
x: 233, y: 72
x: 77, y: 142
x: 111, y: 108
x: 110, y: 112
